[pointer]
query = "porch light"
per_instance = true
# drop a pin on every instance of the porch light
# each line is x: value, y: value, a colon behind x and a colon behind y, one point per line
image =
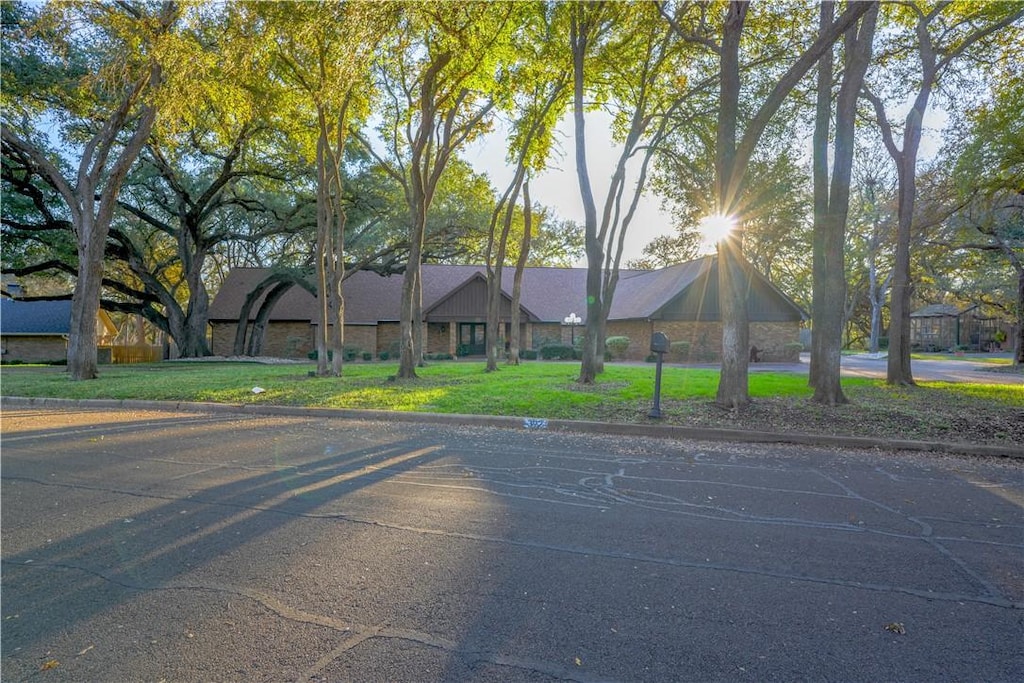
x: 572, y: 320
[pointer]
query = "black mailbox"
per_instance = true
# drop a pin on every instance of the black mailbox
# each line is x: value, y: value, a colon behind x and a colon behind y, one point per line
x: 659, y: 343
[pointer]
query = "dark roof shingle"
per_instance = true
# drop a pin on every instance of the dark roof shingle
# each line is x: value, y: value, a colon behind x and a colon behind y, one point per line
x: 34, y: 317
x: 550, y: 294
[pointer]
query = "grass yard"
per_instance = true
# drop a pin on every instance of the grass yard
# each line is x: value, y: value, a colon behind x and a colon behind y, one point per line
x: 941, y: 411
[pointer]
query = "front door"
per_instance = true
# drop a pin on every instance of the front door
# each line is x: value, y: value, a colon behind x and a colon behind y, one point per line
x: 471, y: 339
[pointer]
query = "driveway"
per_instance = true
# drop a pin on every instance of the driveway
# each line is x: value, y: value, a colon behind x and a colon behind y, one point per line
x: 938, y: 370
x: 144, y: 545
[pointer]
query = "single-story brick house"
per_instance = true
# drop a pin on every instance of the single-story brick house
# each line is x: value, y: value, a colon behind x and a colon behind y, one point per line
x: 680, y: 301
x: 37, y: 331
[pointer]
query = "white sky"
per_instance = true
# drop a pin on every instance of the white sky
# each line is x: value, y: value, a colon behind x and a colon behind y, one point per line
x: 558, y: 187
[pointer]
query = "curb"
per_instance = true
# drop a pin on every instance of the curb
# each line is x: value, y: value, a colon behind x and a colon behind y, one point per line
x: 533, y: 424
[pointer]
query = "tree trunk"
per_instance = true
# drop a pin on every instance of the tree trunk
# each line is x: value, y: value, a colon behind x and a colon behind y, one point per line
x: 193, y: 343
x: 733, y: 389
x: 876, y: 292
x: 1018, y: 339
x: 731, y: 160
x: 820, y: 303
x: 259, y: 326
x: 517, y: 282
x: 85, y: 301
x: 407, y: 348
x: 493, y: 337
x: 732, y: 303
x: 242, y: 326
x: 898, y: 369
x: 579, y: 39
x: 830, y: 224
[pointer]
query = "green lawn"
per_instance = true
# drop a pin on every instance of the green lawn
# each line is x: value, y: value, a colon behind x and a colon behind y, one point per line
x: 533, y: 389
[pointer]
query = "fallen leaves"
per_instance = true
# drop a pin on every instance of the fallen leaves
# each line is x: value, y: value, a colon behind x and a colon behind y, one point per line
x: 49, y: 664
x: 896, y: 627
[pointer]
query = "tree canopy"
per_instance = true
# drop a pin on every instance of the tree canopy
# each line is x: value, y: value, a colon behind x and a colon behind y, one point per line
x: 147, y: 148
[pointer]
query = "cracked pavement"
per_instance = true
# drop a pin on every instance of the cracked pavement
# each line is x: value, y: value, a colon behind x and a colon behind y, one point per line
x: 148, y: 545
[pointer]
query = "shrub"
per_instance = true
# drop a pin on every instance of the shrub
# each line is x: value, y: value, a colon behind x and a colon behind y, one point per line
x: 462, y: 350
x: 383, y: 355
x: 556, y: 352
x: 617, y: 346
x: 437, y: 356
x: 679, y: 350
x: 792, y: 350
x: 651, y: 358
x: 367, y: 355
x: 349, y: 353
x: 528, y: 354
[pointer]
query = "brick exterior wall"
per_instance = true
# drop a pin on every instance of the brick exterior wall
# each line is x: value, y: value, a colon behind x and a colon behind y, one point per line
x: 288, y: 340
x: 292, y: 339
x: 361, y: 337
x: 281, y: 340
x: 706, y: 338
x: 771, y: 339
x: 546, y: 332
x: 295, y: 340
x: 41, y: 349
x: 439, y: 338
x: 222, y: 338
x: 388, y: 336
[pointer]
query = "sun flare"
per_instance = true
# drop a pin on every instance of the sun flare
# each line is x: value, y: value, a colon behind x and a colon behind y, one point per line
x: 715, y: 228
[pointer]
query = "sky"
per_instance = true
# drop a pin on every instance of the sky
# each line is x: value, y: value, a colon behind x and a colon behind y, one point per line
x: 558, y: 187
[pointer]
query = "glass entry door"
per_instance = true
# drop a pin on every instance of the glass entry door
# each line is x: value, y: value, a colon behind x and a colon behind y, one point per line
x: 471, y: 339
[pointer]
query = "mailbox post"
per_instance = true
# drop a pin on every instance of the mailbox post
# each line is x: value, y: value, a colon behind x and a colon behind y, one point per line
x: 660, y: 346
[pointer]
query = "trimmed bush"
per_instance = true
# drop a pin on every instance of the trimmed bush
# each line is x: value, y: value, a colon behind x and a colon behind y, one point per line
x: 438, y: 356
x: 679, y: 350
x: 367, y: 355
x: 792, y: 350
x: 651, y: 358
x: 528, y: 354
x: 556, y: 352
x: 383, y: 355
x: 617, y: 346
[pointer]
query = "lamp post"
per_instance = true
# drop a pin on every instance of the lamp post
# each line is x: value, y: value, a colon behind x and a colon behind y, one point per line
x: 572, y: 320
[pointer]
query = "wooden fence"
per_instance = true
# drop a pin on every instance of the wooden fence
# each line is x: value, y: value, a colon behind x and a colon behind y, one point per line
x: 136, y: 353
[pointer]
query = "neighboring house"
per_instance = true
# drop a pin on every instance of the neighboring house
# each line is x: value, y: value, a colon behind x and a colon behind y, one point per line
x: 681, y: 301
x: 943, y: 327
x: 37, y: 331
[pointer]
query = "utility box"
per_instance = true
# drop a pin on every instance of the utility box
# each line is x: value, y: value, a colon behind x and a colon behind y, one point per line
x: 659, y: 343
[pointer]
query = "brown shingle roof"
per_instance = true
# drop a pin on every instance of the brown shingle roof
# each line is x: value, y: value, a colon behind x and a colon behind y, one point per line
x: 550, y: 294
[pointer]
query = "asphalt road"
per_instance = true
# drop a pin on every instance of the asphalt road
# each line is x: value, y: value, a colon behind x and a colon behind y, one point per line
x: 182, y: 547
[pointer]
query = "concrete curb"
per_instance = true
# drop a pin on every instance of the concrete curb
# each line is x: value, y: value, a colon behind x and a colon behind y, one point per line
x: 537, y: 424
